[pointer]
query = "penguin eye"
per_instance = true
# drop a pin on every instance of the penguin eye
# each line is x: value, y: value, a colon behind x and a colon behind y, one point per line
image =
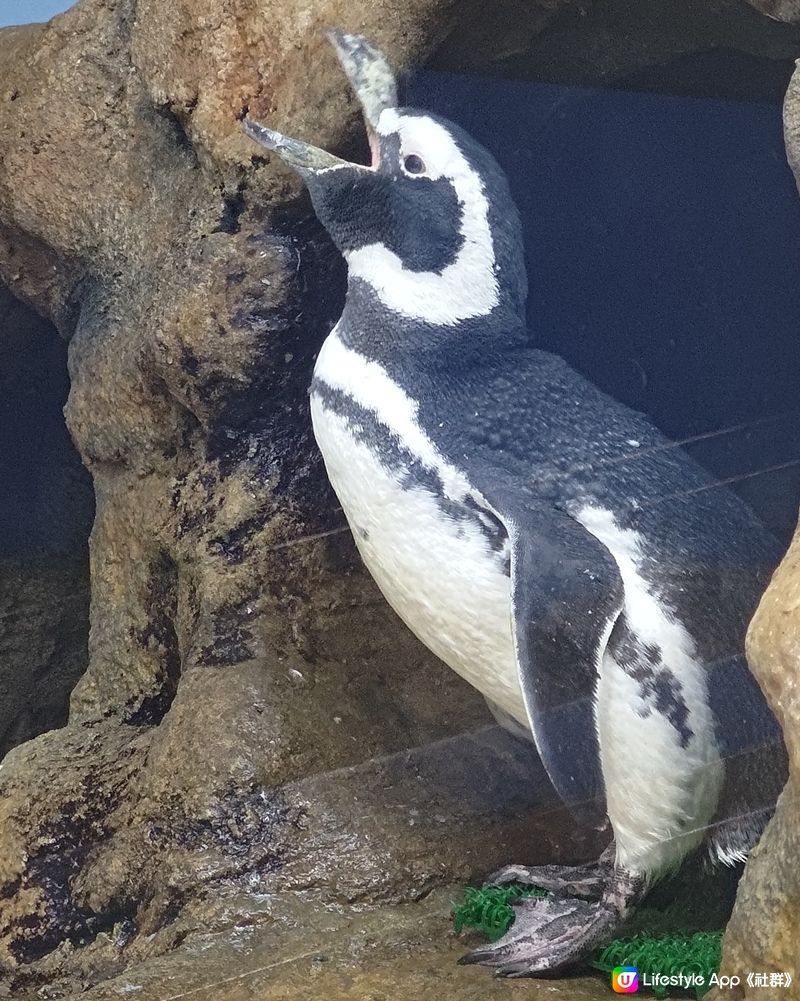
x: 413, y: 164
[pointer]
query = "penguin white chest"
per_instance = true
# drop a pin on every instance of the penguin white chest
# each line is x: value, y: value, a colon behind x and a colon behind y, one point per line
x: 439, y: 571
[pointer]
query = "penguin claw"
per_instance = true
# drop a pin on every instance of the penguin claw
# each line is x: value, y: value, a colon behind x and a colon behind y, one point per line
x: 552, y: 933
x: 510, y: 874
x: 584, y: 881
x: 548, y: 934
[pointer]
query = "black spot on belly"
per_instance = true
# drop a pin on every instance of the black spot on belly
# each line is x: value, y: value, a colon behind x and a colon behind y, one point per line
x: 659, y: 688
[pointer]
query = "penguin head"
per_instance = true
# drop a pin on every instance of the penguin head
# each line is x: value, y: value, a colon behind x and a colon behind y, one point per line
x: 429, y: 225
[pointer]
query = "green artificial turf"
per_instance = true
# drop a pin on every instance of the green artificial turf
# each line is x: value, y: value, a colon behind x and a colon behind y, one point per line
x: 487, y: 910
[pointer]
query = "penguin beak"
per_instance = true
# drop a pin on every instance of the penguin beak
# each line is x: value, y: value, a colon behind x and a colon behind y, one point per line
x: 374, y: 85
x: 369, y: 74
x: 302, y: 156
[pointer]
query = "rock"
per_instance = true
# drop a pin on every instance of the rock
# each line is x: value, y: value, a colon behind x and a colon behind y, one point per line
x: 780, y: 10
x: 791, y: 125
x: 718, y: 48
x: 381, y: 954
x: 763, y: 932
x: 764, y: 929
x: 241, y: 663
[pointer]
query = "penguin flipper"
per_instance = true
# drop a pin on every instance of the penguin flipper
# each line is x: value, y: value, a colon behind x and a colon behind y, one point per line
x: 567, y: 593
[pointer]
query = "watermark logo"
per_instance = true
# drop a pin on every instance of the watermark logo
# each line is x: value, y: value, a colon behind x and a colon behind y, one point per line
x: 625, y: 979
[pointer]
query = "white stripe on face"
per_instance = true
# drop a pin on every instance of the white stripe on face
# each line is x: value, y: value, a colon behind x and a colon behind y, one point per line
x: 467, y: 287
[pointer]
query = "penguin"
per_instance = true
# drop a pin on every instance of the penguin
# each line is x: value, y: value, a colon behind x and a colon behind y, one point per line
x: 545, y: 541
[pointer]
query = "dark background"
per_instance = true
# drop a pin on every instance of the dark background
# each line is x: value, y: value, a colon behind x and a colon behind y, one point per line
x: 662, y: 234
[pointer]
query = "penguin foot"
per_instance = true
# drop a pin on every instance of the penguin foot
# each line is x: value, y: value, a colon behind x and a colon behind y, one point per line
x: 585, y: 881
x: 550, y: 934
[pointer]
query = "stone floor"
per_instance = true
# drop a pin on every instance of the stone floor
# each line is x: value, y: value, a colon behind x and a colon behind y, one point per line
x: 429, y: 976
x: 385, y: 954
x: 290, y: 947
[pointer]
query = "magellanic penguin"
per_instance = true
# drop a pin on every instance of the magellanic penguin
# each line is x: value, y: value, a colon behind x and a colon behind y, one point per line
x: 545, y: 541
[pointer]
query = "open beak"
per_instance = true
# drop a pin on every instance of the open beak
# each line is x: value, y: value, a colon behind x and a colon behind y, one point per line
x: 298, y: 154
x: 374, y: 85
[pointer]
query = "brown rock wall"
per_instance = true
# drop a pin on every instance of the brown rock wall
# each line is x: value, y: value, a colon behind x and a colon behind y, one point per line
x: 237, y: 650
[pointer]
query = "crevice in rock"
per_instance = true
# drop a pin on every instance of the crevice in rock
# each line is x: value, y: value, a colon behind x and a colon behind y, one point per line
x: 160, y: 633
x: 234, y: 205
x: 46, y: 513
x: 174, y: 128
x: 67, y: 840
x: 77, y: 925
x: 81, y: 928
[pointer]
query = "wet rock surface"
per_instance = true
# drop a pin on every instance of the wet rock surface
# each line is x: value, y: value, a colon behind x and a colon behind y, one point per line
x: 241, y: 664
x: 291, y: 948
x: 372, y: 953
x: 254, y: 722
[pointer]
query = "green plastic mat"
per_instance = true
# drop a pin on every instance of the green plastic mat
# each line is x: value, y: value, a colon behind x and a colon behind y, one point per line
x: 655, y: 956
